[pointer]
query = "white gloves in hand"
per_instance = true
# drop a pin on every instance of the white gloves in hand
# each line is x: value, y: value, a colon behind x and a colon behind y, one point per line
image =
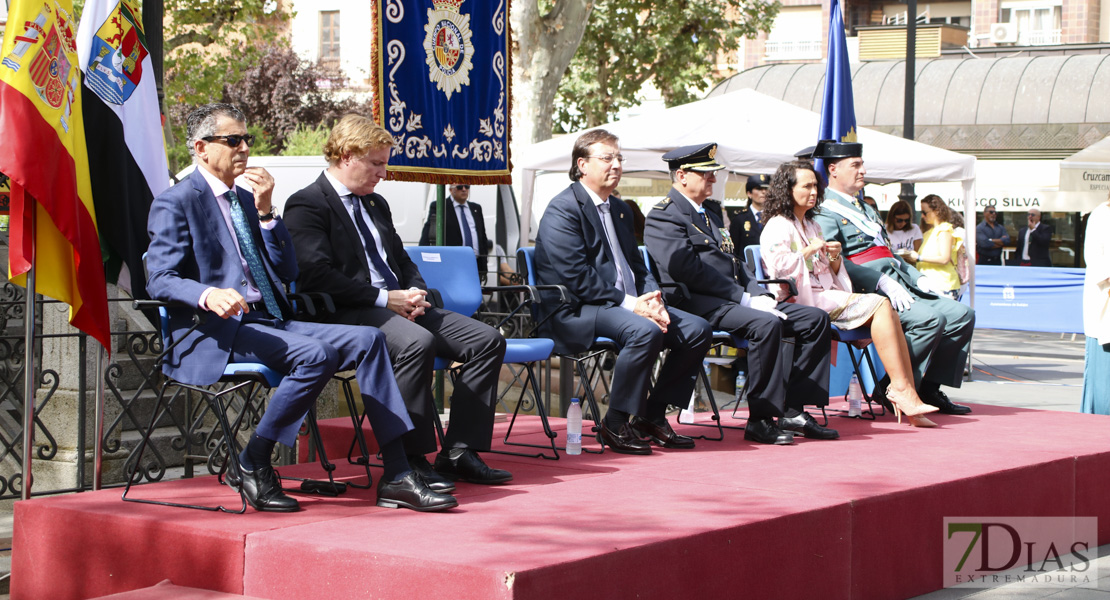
x: 899, y: 297
x: 924, y: 285
x: 767, y: 304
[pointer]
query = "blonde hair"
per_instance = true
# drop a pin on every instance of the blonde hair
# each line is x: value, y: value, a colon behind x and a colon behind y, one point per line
x: 355, y: 135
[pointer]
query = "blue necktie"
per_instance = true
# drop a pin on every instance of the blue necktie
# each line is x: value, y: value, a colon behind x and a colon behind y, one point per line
x: 380, y: 265
x: 250, y: 254
x: 465, y: 226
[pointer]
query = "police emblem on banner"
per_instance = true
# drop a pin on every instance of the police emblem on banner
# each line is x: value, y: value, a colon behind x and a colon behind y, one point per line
x: 448, y: 46
x: 116, y: 60
x: 442, y: 89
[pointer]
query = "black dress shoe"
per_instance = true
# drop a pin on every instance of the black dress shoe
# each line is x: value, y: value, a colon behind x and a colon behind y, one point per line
x: 435, y: 481
x: 262, y: 489
x: 464, y: 464
x: 807, y: 426
x: 660, y: 435
x: 947, y: 407
x: 623, y: 442
x: 411, y: 492
x: 764, y: 431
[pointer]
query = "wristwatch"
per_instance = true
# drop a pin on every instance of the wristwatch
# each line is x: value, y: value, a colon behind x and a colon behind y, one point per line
x: 266, y: 217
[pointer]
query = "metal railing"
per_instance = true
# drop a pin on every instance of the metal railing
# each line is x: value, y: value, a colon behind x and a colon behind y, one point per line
x: 792, y: 49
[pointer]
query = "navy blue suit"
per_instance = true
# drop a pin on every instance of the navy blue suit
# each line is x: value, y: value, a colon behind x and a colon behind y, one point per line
x: 572, y: 250
x: 192, y: 249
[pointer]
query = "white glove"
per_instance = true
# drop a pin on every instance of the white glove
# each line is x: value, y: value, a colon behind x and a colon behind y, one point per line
x: 767, y: 304
x: 899, y: 297
x: 924, y: 285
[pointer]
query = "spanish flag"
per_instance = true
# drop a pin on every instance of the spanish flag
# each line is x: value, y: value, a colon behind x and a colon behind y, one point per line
x: 43, y: 152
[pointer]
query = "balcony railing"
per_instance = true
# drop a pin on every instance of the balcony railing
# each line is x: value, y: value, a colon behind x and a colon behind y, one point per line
x: 792, y: 50
x: 1039, y: 37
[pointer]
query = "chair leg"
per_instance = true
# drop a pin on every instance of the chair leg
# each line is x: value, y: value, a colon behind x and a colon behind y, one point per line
x: 720, y: 427
x: 530, y: 382
x: 359, y: 438
x: 314, y: 486
x: 591, y: 402
x: 160, y: 407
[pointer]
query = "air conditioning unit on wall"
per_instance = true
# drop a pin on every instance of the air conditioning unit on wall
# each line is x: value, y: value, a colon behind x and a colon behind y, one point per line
x: 1004, y: 33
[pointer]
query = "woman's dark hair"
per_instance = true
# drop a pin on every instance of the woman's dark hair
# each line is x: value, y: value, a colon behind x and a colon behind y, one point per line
x: 897, y: 209
x: 939, y: 208
x: 780, y: 199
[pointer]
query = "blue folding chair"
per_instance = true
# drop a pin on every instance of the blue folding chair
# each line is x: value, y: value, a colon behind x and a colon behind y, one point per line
x: 581, y: 362
x: 851, y: 339
x: 452, y: 273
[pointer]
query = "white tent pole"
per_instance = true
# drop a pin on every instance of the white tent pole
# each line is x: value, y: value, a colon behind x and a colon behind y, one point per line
x: 528, y: 190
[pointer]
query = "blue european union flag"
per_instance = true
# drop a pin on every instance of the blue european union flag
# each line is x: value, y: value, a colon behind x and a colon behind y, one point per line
x: 838, y: 110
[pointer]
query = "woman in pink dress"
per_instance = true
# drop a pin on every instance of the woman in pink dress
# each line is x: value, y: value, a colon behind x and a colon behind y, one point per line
x: 793, y: 247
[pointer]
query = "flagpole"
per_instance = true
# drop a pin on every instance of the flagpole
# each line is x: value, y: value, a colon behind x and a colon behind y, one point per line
x: 98, y: 421
x: 29, y: 358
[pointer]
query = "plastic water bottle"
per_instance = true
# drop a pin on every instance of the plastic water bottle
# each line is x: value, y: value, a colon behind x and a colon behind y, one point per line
x: 855, y: 397
x: 574, y: 427
x: 741, y: 383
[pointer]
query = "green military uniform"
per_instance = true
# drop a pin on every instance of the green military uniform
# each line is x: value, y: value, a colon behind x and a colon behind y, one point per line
x: 938, y: 330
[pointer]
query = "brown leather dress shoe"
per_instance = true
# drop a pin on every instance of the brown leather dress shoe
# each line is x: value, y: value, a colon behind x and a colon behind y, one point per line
x: 623, y: 442
x: 661, y: 435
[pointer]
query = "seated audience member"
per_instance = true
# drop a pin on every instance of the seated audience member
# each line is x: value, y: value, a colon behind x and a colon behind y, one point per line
x: 938, y: 329
x: 691, y: 246
x: 940, y: 247
x: 903, y: 233
x: 793, y: 248
x: 348, y: 247
x: 585, y: 243
x: 218, y: 246
x: 464, y: 224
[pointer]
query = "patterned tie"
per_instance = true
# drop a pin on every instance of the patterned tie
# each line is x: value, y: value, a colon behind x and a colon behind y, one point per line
x: 380, y: 265
x: 250, y: 254
x: 628, y: 279
x: 465, y: 226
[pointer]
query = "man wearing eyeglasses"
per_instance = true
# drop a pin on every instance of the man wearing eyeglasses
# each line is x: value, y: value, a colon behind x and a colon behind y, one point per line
x: 464, y: 225
x: 990, y: 237
x: 1033, y: 241
x: 347, y: 246
x: 217, y: 246
x: 586, y: 243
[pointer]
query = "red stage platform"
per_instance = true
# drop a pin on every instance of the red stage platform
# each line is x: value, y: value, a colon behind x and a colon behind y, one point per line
x: 860, y: 517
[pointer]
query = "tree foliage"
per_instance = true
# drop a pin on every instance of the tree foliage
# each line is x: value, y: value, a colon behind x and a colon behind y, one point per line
x: 674, y: 44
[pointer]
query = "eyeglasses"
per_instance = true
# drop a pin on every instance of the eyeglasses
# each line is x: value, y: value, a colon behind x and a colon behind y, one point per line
x: 231, y: 140
x: 901, y: 219
x: 462, y: 187
x: 607, y: 158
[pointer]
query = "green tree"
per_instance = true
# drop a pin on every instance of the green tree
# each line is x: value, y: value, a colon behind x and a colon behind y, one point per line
x: 673, y: 43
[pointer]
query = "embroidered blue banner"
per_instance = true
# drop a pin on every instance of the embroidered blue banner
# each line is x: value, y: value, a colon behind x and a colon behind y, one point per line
x: 441, y: 85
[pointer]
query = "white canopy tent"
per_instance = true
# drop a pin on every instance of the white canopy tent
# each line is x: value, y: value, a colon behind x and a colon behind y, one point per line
x: 1085, y: 176
x: 755, y: 134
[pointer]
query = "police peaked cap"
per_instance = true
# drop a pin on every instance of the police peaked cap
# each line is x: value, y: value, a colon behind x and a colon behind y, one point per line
x: 699, y: 157
x: 832, y: 149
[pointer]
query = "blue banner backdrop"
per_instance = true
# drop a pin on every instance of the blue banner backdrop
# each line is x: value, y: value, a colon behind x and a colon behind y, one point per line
x: 1029, y: 298
x: 441, y: 83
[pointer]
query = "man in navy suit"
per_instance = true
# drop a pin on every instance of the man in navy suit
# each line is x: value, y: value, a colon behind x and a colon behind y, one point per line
x: 348, y: 247
x: 218, y: 247
x: 691, y: 246
x: 473, y: 234
x: 585, y: 242
x: 1033, y: 241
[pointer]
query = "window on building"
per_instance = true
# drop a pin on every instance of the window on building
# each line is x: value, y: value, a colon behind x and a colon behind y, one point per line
x: 796, y: 34
x: 1038, y: 22
x: 329, y: 37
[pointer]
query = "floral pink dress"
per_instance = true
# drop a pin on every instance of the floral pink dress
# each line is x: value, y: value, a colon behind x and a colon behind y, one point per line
x: 781, y: 245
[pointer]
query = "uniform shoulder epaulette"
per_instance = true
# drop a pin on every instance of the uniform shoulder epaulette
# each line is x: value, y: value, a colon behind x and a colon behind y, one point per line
x: 662, y: 204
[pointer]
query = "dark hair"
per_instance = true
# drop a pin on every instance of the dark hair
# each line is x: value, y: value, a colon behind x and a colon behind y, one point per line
x: 201, y: 123
x: 582, y: 148
x: 780, y: 200
x: 899, y: 208
x: 938, y: 206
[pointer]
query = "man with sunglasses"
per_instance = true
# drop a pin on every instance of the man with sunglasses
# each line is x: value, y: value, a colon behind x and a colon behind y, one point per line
x: 348, y: 247
x: 990, y: 237
x: 464, y: 225
x: 217, y: 246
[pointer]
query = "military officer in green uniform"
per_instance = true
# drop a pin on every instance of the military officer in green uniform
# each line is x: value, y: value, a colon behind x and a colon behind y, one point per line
x: 746, y: 227
x: 938, y: 330
x: 691, y: 246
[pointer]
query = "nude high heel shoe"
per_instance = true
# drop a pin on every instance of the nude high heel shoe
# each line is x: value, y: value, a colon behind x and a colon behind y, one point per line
x: 914, y: 411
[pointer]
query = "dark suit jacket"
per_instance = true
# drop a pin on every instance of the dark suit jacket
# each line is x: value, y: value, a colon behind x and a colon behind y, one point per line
x: 191, y: 249
x: 452, y: 231
x: 688, y: 252
x: 572, y: 250
x: 745, y: 231
x: 1038, y: 245
x: 329, y: 250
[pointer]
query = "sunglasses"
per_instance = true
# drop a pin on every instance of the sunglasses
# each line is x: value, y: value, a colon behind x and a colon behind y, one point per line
x: 901, y: 219
x: 462, y: 187
x: 231, y: 140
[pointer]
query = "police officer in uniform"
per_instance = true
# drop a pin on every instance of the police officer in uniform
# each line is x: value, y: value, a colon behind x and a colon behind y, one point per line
x: 938, y: 330
x: 692, y: 246
x: 746, y: 227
